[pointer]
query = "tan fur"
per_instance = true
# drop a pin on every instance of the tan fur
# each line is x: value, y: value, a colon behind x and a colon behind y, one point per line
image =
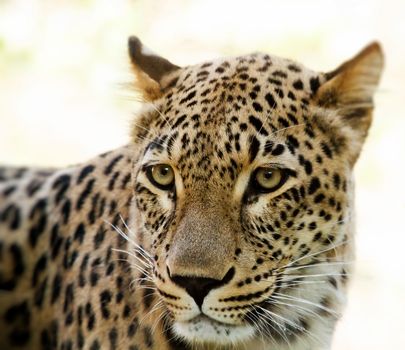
x: 98, y: 256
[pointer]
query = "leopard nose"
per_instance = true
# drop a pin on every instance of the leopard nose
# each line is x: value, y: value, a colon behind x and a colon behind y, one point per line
x: 199, y: 287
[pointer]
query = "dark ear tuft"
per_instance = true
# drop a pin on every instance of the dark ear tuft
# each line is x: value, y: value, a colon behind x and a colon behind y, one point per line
x: 150, y: 69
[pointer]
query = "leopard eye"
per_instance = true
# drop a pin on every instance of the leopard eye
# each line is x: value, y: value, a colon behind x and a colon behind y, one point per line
x: 268, y: 179
x: 161, y: 175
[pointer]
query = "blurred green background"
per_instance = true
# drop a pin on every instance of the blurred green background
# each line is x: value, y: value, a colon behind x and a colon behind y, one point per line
x: 62, y: 100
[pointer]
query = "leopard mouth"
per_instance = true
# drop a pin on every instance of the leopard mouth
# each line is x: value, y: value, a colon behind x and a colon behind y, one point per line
x: 204, y: 329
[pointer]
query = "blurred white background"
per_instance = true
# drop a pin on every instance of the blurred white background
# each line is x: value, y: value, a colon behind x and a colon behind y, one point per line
x: 62, y: 65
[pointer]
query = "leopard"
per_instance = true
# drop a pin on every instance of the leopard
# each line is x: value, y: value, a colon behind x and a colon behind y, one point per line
x: 226, y: 222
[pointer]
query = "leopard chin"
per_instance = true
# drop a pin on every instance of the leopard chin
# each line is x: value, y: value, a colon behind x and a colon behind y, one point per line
x: 203, y: 329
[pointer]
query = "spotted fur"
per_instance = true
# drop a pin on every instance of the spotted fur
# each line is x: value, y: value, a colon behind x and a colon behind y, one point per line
x: 96, y: 256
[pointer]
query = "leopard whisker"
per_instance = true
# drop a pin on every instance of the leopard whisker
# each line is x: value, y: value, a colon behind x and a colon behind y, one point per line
x: 260, y: 327
x: 156, y: 136
x: 158, y: 319
x: 145, y: 263
x: 304, y: 301
x: 150, y: 104
x: 287, y: 128
x: 137, y: 247
x: 274, y: 301
x: 160, y: 113
x: 144, y: 279
x: 143, y: 138
x: 317, y: 275
x: 136, y: 284
x: 294, y: 283
x: 311, y: 255
x: 287, y: 321
x: 139, y: 268
x: 257, y: 327
x: 145, y: 268
x: 313, y: 265
x: 174, y: 336
x: 295, y: 326
x: 145, y: 254
x: 158, y: 305
x: 273, y: 323
x: 131, y: 264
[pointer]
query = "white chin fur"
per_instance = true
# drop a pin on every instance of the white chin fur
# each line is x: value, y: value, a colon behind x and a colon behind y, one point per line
x: 204, y: 330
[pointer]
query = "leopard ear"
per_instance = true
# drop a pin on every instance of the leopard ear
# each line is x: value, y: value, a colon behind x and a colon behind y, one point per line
x: 350, y: 88
x: 150, y: 69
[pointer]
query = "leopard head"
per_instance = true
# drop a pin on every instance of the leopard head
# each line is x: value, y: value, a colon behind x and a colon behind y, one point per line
x: 243, y: 190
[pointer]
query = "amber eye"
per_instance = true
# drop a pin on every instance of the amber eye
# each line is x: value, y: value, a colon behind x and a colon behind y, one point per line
x: 269, y: 179
x: 161, y: 175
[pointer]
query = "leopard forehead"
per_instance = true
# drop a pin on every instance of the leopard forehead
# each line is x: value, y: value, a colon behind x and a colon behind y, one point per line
x: 232, y: 86
x: 256, y: 68
x: 231, y: 108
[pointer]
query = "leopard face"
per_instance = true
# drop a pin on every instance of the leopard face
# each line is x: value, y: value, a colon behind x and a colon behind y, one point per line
x: 243, y: 191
